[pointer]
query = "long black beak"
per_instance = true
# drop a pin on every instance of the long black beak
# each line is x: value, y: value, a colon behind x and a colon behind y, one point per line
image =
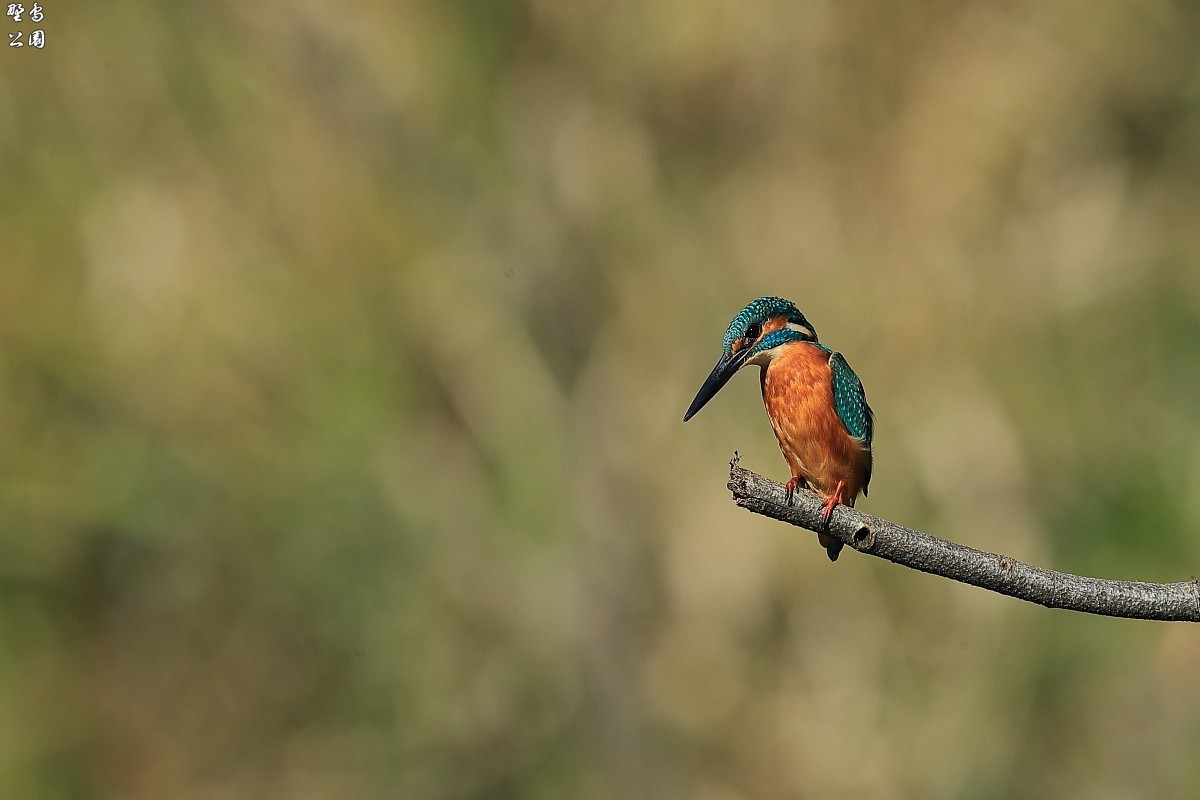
x: 720, y: 376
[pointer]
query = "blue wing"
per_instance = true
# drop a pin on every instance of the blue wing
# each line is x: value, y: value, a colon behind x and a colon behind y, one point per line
x: 851, y: 401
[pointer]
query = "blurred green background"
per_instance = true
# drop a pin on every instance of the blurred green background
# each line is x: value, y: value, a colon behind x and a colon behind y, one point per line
x: 343, y: 352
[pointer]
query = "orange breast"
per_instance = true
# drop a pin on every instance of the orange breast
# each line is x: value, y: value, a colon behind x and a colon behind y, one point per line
x: 797, y: 388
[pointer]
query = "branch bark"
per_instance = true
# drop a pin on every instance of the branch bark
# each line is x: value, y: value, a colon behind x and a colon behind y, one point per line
x: 997, y: 573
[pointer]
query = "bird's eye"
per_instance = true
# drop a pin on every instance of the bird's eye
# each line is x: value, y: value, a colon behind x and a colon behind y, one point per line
x: 753, y: 331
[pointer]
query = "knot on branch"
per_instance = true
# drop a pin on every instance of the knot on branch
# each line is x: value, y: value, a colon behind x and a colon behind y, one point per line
x: 864, y: 538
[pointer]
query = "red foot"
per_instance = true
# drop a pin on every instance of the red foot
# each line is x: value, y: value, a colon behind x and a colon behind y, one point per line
x: 832, y: 502
x: 791, y: 489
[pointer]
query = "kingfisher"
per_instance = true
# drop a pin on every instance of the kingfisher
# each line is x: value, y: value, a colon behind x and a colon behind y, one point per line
x: 816, y: 404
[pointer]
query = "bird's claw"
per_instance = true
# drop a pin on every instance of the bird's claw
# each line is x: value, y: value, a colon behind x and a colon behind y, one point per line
x: 831, y: 503
x: 827, y: 509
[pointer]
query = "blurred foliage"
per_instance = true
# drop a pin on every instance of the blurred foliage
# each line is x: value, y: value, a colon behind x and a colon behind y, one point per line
x: 343, y: 353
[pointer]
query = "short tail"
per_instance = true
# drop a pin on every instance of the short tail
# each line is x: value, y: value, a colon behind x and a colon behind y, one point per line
x: 833, y: 546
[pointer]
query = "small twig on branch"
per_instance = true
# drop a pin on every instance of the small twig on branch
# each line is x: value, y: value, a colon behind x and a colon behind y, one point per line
x: 878, y: 537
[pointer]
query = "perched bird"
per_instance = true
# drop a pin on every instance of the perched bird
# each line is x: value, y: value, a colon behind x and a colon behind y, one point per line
x: 815, y: 402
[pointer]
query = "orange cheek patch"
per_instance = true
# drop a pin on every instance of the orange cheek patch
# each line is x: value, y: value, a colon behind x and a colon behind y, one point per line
x: 775, y: 324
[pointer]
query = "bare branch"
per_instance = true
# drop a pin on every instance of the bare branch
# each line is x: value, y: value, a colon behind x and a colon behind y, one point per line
x: 999, y: 573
